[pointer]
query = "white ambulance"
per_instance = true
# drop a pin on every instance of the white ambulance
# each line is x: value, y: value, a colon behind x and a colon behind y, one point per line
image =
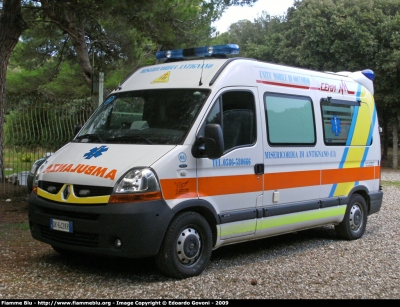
x: 186, y: 156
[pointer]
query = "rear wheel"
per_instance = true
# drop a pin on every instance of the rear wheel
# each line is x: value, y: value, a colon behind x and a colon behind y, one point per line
x: 355, y: 219
x: 187, y: 246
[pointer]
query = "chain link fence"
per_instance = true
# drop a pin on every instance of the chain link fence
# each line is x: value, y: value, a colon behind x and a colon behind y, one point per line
x: 35, y: 126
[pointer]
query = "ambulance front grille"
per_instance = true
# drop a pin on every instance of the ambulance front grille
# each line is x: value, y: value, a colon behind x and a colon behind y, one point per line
x: 76, y: 238
x: 68, y: 214
x: 79, y: 190
x: 48, y: 186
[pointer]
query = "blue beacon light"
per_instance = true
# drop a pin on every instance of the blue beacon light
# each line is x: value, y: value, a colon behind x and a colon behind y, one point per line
x: 205, y: 51
x: 369, y: 74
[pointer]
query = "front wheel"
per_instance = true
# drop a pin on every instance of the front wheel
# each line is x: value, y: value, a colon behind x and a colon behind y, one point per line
x: 187, y: 246
x: 355, y: 219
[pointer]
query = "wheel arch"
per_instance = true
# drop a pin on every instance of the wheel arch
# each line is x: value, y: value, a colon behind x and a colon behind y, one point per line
x: 364, y: 192
x: 203, y: 208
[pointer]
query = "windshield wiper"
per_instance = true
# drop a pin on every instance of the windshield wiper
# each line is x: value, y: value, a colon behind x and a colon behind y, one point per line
x: 91, y: 136
x: 130, y: 137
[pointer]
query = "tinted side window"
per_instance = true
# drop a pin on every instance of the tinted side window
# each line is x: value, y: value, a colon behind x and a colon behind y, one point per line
x: 290, y: 120
x: 337, y: 122
x: 235, y: 112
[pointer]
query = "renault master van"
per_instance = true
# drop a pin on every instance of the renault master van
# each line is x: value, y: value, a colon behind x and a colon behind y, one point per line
x: 205, y: 149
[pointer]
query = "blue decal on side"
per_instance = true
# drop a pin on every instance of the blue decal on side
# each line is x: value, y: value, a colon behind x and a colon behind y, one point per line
x: 231, y: 162
x: 336, y: 129
x: 95, y: 152
x: 374, y: 118
x: 333, y: 189
x: 354, y: 119
x: 345, y: 152
x: 352, y: 126
x: 182, y: 165
x: 182, y: 157
x: 362, y: 163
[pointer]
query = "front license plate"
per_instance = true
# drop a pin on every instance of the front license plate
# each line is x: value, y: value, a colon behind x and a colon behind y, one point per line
x: 60, y: 225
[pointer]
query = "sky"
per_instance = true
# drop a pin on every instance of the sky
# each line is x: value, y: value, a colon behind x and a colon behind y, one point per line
x: 236, y: 13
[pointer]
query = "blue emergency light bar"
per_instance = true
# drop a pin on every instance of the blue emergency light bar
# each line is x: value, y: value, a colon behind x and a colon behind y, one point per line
x: 205, y: 51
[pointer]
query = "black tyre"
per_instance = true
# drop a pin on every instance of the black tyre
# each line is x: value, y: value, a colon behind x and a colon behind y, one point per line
x: 355, y: 219
x: 187, y: 246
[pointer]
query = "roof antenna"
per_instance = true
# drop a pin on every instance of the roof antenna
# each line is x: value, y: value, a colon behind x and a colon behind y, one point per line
x: 201, y: 76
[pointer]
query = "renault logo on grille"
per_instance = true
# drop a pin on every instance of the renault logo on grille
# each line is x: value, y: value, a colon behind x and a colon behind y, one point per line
x: 66, y: 192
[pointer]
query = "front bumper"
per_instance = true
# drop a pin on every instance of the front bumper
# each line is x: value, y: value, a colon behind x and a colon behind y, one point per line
x: 139, y: 226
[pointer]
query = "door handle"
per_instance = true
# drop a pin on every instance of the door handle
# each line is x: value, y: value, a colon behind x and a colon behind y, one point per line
x: 259, y: 169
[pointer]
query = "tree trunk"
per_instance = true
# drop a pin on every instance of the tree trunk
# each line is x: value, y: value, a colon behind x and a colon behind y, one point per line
x: 395, y: 142
x: 3, y: 69
x: 11, y: 27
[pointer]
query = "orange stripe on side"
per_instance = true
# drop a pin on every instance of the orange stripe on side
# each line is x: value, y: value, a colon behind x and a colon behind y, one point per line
x: 223, y: 185
x: 347, y: 175
x: 179, y: 188
x: 291, y: 180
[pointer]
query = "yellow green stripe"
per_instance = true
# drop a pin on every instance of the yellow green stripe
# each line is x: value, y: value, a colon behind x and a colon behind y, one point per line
x: 301, y: 217
x: 243, y: 227
x: 246, y: 227
x: 72, y: 199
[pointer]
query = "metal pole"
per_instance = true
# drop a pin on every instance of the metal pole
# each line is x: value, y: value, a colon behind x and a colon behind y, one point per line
x: 101, y: 86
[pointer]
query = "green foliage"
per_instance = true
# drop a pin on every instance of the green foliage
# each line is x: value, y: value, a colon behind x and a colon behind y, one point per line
x: 331, y: 35
x: 66, y: 83
x: 27, y: 157
x: 390, y: 183
x: 119, y: 35
x: 20, y: 226
x: 37, y: 67
x: 387, y: 59
x: 47, y: 81
x: 20, y: 80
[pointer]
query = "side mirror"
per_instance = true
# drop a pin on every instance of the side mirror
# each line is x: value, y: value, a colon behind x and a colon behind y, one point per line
x: 213, y: 141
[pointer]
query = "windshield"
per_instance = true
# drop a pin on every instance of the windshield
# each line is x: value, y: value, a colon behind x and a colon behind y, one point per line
x: 144, y: 117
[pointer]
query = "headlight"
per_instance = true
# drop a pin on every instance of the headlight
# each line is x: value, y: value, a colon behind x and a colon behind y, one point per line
x: 33, y: 168
x: 36, y: 174
x: 137, y: 180
x: 38, y: 169
x: 36, y: 164
x: 139, y: 184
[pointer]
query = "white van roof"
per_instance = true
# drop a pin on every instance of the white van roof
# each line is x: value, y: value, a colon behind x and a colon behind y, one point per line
x: 205, y: 65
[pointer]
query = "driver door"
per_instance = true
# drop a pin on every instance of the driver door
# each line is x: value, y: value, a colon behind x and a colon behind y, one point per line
x: 233, y: 183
